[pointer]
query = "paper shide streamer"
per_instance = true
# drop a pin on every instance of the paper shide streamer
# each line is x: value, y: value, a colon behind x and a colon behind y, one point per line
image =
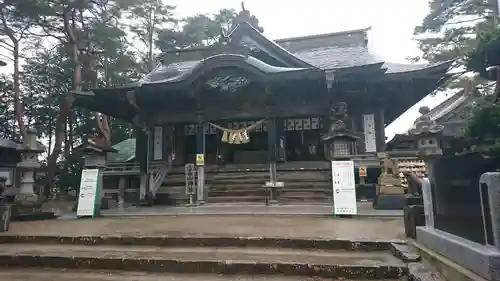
x: 239, y: 136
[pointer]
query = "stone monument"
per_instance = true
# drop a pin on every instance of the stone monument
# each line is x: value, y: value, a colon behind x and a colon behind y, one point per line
x: 26, y: 201
x: 4, y: 207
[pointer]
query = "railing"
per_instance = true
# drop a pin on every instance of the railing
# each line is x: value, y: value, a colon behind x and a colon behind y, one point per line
x: 157, y: 172
x: 156, y: 179
x: 131, y: 168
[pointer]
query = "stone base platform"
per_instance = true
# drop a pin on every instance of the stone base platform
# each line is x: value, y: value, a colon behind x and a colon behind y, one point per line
x: 479, y: 259
x: 35, y: 216
x: 389, y: 202
x: 269, y: 256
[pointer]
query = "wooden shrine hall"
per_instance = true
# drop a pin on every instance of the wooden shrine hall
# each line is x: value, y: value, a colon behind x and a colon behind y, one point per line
x: 250, y: 101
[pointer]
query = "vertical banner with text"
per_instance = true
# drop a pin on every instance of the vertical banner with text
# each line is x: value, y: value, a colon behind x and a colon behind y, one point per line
x: 344, y: 188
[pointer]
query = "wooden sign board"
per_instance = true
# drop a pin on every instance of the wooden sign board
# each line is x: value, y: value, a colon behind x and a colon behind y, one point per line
x: 362, y: 172
x: 190, y: 174
x: 200, y: 159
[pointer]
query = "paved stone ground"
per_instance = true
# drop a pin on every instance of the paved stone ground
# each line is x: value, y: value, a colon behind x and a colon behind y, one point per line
x: 70, y: 275
x: 364, y: 210
x: 220, y: 225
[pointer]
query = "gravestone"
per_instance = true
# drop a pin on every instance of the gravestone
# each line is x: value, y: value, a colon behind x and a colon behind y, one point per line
x: 489, y: 189
x: 459, y: 232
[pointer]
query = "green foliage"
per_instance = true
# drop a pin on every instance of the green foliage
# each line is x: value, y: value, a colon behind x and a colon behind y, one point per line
x: 483, y: 126
x: 450, y: 28
x: 7, y: 124
x: 197, y: 31
x: 486, y: 53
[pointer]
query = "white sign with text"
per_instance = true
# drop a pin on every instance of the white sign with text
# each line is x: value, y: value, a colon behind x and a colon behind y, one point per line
x: 89, y: 193
x: 344, y: 188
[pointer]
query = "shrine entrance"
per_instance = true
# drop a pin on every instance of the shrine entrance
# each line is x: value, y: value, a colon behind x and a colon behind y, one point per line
x: 302, y: 138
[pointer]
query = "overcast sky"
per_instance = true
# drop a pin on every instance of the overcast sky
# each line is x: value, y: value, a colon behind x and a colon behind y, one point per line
x: 390, y: 38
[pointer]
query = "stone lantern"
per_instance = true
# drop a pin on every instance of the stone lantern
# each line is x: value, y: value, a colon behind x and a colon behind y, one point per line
x: 339, y: 142
x: 5, y: 209
x: 96, y: 150
x: 428, y: 135
x: 29, y: 163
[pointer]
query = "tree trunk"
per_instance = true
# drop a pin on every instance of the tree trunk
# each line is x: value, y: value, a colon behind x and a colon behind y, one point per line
x: 67, y: 102
x: 150, y: 43
x: 18, y: 108
x: 64, y: 112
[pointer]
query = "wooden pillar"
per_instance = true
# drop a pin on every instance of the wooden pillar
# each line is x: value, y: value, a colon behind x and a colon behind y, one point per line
x: 142, y: 156
x: 179, y: 144
x: 221, y: 151
x: 275, y: 129
x: 200, y: 155
x: 122, y: 181
x: 168, y: 143
x: 273, y: 156
x: 380, y: 128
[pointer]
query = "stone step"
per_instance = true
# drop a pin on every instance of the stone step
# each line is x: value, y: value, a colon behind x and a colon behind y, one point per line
x: 229, y: 199
x: 227, y: 260
x: 252, y: 186
x: 210, y: 241
x: 292, y: 176
x: 111, y: 275
x: 262, y: 192
x: 237, y: 192
x: 306, y: 197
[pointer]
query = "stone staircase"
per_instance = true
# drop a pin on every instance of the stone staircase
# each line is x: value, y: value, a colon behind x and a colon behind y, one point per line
x: 306, y: 182
x: 300, y: 186
x: 154, y: 258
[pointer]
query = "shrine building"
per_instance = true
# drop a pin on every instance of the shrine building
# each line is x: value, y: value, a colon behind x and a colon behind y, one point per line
x: 251, y: 101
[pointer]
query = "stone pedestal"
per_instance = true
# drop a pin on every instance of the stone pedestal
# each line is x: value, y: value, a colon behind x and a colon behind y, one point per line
x: 389, y: 193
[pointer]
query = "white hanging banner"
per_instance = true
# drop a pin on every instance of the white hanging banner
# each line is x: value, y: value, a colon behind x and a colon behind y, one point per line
x: 88, y: 197
x: 344, y: 188
x: 158, y: 144
x: 369, y: 132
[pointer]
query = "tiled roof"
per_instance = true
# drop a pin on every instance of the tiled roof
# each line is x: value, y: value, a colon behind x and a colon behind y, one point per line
x: 9, y: 144
x: 337, y: 56
x: 348, y: 56
x: 324, y: 51
x: 126, y: 151
x: 5, y: 143
x: 177, y: 71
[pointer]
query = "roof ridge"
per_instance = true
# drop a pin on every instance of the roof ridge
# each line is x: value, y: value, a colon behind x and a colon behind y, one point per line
x: 314, y: 36
x: 435, y: 111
